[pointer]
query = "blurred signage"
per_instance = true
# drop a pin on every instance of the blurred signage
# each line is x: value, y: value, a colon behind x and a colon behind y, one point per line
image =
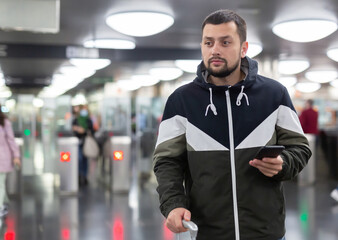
x: 81, y: 52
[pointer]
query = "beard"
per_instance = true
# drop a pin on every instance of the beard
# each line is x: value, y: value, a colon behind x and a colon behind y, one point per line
x: 224, y: 71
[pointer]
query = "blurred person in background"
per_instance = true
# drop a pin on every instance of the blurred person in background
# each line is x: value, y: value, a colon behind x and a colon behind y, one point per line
x: 81, y: 125
x: 309, y: 118
x: 9, y: 157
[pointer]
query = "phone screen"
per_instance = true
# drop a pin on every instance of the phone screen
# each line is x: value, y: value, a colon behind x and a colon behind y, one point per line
x: 269, y: 151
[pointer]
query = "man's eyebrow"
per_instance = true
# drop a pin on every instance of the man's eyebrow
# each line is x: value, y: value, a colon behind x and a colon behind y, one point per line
x: 222, y: 37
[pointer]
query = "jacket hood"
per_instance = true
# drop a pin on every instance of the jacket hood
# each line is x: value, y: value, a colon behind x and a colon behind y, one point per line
x: 248, y: 65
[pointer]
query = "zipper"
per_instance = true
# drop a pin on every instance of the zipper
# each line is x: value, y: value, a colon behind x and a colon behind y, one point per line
x: 232, y: 164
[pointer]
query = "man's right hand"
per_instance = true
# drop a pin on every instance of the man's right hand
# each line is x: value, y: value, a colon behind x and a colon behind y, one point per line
x: 174, y: 219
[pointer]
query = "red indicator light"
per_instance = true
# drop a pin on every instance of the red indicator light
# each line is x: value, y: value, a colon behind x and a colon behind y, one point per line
x: 65, y: 234
x: 118, y: 155
x: 167, y: 233
x: 9, y: 235
x: 118, y: 230
x: 65, y: 156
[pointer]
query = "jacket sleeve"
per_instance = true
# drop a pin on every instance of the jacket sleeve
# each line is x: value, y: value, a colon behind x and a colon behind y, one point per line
x: 290, y: 134
x: 170, y: 160
x: 11, y: 139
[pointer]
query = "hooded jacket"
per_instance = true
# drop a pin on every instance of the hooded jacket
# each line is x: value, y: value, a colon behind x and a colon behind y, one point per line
x: 206, y: 139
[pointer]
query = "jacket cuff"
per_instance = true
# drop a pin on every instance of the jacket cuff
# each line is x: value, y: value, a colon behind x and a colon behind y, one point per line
x: 281, y: 174
x: 169, y: 205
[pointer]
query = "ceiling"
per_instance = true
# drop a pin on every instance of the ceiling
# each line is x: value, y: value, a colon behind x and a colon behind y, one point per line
x: 32, y: 58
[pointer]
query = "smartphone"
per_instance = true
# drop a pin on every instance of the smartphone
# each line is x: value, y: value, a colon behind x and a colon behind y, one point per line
x: 269, y: 151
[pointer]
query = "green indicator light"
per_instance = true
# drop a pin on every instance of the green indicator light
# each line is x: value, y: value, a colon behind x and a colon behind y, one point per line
x: 27, y: 132
x: 304, y: 217
x: 26, y: 154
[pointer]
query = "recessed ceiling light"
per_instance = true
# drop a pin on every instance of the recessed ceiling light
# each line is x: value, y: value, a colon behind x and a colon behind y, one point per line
x: 287, y: 81
x: 189, y: 66
x: 254, y: 49
x: 145, y: 80
x: 292, y: 66
x: 304, y: 30
x: 5, y: 93
x: 139, y: 23
x: 321, y: 76
x: 110, y: 44
x: 333, y: 54
x: 76, y: 73
x: 166, y: 73
x: 128, y: 84
x: 90, y: 63
x: 308, y: 87
x: 38, y: 102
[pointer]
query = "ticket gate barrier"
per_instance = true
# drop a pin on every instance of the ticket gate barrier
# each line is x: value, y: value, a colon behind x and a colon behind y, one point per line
x: 120, y: 162
x: 67, y: 163
x: 308, y: 174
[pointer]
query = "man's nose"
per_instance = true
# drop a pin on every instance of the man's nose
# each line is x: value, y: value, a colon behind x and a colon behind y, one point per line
x: 215, y: 49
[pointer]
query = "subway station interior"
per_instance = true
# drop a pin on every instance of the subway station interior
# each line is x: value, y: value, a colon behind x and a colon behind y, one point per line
x: 56, y: 55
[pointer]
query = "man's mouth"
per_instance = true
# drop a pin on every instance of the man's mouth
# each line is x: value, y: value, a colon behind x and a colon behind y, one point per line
x: 216, y: 61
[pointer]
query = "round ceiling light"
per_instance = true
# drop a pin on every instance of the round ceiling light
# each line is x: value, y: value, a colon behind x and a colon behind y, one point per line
x: 189, y: 66
x: 321, y: 76
x: 292, y: 66
x: 139, y: 23
x: 304, y: 30
x: 333, y: 54
x: 288, y: 81
x: 308, y: 87
x: 166, y: 73
x: 128, y: 85
x: 254, y: 49
x: 90, y: 63
x: 145, y: 80
x: 110, y: 44
x: 77, y: 73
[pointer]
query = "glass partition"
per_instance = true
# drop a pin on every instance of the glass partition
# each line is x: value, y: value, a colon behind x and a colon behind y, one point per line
x: 116, y: 116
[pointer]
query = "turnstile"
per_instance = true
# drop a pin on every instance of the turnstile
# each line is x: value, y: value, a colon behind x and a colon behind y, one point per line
x: 308, y: 174
x: 67, y: 164
x: 120, y: 162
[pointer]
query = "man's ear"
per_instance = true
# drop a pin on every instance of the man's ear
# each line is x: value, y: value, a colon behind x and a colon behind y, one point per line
x: 244, y: 49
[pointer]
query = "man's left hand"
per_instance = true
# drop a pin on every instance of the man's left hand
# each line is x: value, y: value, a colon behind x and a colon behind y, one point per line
x: 268, y: 166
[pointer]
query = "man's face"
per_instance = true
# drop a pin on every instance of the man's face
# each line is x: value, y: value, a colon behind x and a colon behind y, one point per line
x: 221, y: 49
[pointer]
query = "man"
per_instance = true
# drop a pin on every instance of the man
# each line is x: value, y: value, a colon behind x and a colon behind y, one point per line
x: 210, y: 133
x: 309, y: 118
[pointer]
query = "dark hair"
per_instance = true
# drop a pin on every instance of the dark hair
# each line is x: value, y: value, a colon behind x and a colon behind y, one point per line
x: 225, y: 16
x: 310, y: 102
x: 2, y: 117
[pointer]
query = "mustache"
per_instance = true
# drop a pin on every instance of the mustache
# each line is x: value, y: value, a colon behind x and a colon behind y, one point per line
x: 217, y: 58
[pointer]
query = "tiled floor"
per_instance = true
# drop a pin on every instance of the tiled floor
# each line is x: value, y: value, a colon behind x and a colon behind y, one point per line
x: 98, y: 214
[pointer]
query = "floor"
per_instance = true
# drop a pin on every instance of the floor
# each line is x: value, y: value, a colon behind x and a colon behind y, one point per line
x: 97, y: 213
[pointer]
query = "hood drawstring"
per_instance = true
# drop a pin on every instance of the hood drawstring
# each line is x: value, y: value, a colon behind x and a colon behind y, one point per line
x: 211, y: 105
x: 240, y: 96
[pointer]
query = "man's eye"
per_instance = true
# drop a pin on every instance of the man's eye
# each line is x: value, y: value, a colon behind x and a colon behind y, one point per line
x: 208, y: 43
x: 226, y: 42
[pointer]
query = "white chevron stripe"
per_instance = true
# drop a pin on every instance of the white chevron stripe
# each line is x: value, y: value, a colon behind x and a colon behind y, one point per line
x: 283, y: 117
x: 289, y: 120
x: 171, y: 128
x: 200, y: 141
x: 197, y: 139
